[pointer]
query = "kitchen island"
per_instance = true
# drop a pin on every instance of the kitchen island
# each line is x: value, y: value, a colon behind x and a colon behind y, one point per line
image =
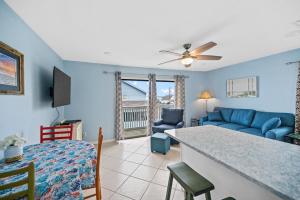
x: 241, y: 165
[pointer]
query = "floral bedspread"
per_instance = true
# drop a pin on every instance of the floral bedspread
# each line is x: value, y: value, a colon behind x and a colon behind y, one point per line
x: 62, y: 169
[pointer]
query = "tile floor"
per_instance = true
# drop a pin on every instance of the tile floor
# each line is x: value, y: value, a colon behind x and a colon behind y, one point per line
x: 129, y: 171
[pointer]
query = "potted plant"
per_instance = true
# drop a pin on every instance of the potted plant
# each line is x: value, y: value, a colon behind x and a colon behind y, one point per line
x: 12, y: 147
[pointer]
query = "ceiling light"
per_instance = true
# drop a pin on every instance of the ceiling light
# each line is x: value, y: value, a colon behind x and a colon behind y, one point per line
x: 187, y: 61
x: 106, y: 52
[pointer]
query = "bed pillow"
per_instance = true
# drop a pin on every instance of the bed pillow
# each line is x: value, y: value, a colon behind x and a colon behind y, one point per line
x: 270, y: 124
x: 214, y: 116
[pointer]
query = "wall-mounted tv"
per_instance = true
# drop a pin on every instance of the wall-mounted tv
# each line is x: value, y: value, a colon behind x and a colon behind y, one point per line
x: 61, y: 91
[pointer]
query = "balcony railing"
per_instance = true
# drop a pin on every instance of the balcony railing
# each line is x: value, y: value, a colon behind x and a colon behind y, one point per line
x: 136, y: 116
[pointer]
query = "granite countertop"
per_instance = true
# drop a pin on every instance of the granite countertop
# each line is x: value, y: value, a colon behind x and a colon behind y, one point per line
x: 272, y: 164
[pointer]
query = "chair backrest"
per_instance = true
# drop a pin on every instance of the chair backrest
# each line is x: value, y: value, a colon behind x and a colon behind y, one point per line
x: 172, y: 116
x: 56, y: 133
x: 99, y: 147
x: 97, y: 179
x: 29, y: 180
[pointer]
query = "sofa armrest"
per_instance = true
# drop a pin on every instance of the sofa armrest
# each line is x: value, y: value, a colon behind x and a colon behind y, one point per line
x: 203, y: 119
x: 159, y: 122
x: 180, y: 125
x: 279, y: 133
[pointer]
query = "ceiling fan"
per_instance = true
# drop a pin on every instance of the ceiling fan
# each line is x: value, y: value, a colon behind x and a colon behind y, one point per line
x: 188, y: 57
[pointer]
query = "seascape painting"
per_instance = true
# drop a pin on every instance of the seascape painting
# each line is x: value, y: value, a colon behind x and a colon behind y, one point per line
x: 242, y: 87
x: 8, y: 70
x: 11, y: 70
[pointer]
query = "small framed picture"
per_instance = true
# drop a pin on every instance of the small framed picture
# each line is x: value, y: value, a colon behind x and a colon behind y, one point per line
x: 11, y: 70
x: 242, y: 87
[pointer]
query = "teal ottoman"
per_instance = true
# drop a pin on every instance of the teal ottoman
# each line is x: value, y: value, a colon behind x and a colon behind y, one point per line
x: 160, y: 142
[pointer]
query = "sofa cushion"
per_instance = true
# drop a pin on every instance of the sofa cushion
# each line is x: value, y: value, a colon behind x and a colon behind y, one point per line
x: 172, y: 116
x: 287, y: 119
x: 242, y: 116
x: 225, y: 112
x: 252, y: 131
x: 214, y: 116
x: 279, y: 133
x: 233, y: 126
x: 270, y: 124
x: 162, y: 128
x: 214, y: 123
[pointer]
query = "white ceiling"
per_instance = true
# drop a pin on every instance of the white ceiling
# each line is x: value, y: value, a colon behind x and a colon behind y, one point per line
x: 133, y: 31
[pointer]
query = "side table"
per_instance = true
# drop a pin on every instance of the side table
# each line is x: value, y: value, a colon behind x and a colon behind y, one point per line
x: 293, y: 138
x: 194, y: 122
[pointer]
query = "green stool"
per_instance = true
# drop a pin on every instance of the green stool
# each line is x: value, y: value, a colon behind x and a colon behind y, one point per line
x: 193, y: 183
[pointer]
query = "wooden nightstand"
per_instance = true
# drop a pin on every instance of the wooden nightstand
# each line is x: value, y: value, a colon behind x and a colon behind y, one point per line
x: 293, y: 138
x: 194, y: 122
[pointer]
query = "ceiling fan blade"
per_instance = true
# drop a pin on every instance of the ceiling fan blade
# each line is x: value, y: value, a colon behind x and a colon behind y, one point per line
x: 203, y: 48
x: 207, y: 57
x: 169, y: 61
x: 170, y: 52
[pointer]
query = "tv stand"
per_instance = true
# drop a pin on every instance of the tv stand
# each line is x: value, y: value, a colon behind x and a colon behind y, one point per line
x: 77, y: 133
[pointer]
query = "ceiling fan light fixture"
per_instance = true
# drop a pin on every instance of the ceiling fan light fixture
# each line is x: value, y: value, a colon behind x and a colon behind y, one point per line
x: 188, y: 57
x: 187, y: 61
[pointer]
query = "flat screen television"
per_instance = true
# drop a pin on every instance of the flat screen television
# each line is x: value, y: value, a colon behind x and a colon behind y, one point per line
x: 61, y: 91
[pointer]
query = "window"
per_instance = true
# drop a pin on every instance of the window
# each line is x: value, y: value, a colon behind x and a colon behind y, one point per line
x: 165, y: 91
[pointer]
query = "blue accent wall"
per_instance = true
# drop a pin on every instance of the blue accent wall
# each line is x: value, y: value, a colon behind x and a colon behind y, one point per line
x: 277, y: 83
x: 93, y: 94
x: 24, y: 114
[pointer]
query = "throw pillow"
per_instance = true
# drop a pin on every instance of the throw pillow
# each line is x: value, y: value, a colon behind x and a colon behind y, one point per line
x: 270, y: 124
x: 214, y: 116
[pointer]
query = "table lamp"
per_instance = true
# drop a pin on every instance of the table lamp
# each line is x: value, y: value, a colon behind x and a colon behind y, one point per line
x: 205, y: 95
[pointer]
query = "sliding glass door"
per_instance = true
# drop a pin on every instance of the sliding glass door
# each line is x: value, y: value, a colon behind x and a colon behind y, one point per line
x: 135, y: 104
x: 165, y: 91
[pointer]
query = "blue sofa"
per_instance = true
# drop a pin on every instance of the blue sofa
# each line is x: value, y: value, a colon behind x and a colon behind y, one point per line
x: 251, y: 122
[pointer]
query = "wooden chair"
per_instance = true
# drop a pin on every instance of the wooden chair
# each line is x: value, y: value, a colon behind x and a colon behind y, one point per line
x: 29, y: 180
x: 56, y: 133
x: 97, y: 179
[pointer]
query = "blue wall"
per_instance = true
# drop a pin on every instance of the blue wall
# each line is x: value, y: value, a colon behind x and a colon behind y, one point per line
x: 277, y: 82
x: 93, y: 91
x: 24, y: 114
x: 93, y: 94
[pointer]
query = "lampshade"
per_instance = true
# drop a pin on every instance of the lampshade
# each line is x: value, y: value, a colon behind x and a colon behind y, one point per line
x: 205, y: 95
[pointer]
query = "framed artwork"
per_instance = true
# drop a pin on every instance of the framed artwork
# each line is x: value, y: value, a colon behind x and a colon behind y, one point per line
x: 11, y: 70
x: 242, y: 87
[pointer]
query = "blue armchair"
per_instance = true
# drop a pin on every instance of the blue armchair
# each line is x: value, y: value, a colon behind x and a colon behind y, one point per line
x: 171, y: 119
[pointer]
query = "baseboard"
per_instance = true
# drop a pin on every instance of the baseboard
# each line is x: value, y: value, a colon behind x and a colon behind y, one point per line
x: 104, y: 141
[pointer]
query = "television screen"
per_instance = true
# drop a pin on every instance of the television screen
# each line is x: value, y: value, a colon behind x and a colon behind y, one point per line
x: 61, y: 88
